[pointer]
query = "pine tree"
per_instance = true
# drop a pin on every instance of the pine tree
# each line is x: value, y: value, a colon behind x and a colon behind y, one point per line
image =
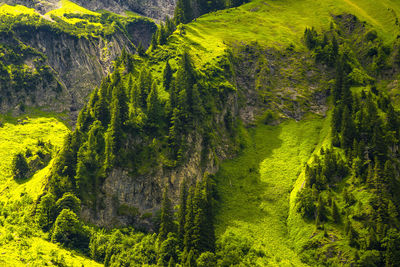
x: 167, y: 217
x: 191, y: 259
x: 347, y: 132
x: 101, y: 109
x: 167, y: 77
x: 140, y: 49
x: 20, y: 167
x: 189, y: 223
x: 171, y: 262
x: 162, y: 37
x: 335, y: 212
x: 154, y: 109
x: 183, y: 195
x: 45, y: 211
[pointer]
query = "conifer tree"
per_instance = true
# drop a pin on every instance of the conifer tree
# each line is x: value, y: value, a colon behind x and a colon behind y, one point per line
x: 20, y: 167
x: 140, y: 49
x: 347, y: 132
x: 167, y: 217
x: 189, y: 223
x: 167, y: 76
x: 183, y: 195
x: 335, y: 212
x: 171, y: 262
x: 154, y: 109
x: 101, y: 109
x: 45, y: 211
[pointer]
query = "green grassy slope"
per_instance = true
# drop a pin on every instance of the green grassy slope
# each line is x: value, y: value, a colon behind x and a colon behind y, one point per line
x: 20, y: 243
x: 280, y: 23
x: 254, y: 188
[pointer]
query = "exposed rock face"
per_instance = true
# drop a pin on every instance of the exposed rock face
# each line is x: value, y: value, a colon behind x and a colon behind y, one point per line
x: 156, y: 9
x: 143, y: 193
x: 77, y: 64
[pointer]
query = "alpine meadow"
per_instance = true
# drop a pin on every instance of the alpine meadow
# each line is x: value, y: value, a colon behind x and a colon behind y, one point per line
x: 200, y: 133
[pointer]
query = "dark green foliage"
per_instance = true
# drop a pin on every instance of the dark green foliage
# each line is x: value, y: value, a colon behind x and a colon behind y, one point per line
x: 167, y: 77
x: 183, y: 195
x: 335, y: 212
x: 19, y: 167
x: 140, y: 49
x: 167, y: 217
x: 206, y: 259
x: 46, y: 212
x: 68, y: 231
x: 168, y: 250
x: 305, y: 203
x: 320, y: 214
x: 69, y: 201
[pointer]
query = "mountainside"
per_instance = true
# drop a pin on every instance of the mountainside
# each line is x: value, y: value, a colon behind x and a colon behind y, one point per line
x: 260, y: 135
x: 53, y: 63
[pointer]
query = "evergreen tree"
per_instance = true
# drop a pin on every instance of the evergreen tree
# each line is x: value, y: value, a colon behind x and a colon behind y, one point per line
x: 347, y: 132
x: 19, y: 167
x: 189, y: 224
x: 101, y: 109
x: 191, y: 259
x: 45, y: 211
x: 167, y: 77
x: 69, y: 201
x: 335, y: 212
x: 183, y: 195
x: 171, y: 262
x: 69, y: 231
x: 154, y: 109
x: 140, y: 49
x: 167, y: 217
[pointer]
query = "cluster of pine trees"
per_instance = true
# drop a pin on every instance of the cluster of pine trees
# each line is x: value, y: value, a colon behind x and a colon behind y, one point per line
x: 192, y: 237
x: 363, y: 157
x: 125, y: 108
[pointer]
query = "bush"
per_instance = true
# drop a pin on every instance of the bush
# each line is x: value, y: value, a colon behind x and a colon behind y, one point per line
x: 45, y: 212
x: 69, y: 201
x: 305, y: 203
x: 20, y: 167
x: 69, y: 231
x: 206, y: 259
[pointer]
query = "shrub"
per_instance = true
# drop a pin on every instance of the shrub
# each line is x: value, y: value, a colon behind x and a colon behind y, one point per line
x: 45, y: 212
x: 20, y: 167
x: 69, y: 231
x: 69, y: 201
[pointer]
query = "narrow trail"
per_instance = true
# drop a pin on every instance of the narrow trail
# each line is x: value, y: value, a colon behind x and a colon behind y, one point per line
x: 255, y: 187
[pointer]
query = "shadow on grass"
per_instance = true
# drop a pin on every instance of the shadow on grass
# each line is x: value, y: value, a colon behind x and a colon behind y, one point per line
x: 240, y: 190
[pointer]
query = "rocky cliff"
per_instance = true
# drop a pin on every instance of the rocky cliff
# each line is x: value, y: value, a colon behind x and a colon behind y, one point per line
x: 73, y: 64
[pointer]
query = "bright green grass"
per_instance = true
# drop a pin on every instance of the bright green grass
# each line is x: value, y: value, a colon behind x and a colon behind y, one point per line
x: 280, y: 23
x: 15, y: 138
x: 70, y: 7
x: 30, y: 249
x: 255, y: 186
x: 16, y: 10
x: 36, y: 251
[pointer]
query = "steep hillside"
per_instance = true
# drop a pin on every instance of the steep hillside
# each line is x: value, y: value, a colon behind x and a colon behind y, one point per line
x: 55, y: 63
x: 264, y: 134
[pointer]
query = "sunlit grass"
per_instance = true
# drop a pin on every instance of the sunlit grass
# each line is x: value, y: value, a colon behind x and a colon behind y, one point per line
x: 16, y: 10
x: 15, y: 138
x: 254, y: 187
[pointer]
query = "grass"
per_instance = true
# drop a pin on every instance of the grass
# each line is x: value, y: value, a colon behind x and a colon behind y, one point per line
x: 70, y: 7
x: 21, y: 244
x: 254, y: 187
x: 279, y: 23
x: 16, y: 10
